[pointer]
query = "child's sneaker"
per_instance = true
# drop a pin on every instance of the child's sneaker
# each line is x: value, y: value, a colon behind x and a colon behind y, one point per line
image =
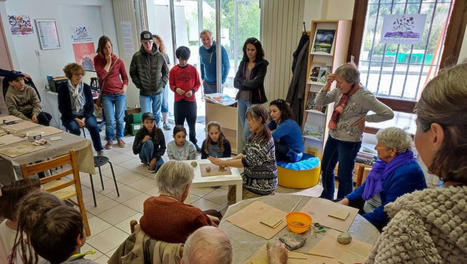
x: 166, y: 126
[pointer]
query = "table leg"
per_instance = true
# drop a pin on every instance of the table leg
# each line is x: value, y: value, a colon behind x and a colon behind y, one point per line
x: 238, y: 192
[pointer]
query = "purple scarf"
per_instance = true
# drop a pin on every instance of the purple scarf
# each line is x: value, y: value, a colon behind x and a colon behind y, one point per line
x: 381, y: 170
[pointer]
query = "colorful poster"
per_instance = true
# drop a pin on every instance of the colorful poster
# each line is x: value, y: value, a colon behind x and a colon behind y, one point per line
x: 20, y: 25
x: 84, y: 55
x: 403, y: 29
x: 81, y: 34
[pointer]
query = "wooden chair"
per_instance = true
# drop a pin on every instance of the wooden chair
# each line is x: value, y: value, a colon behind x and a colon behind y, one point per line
x: 64, y: 189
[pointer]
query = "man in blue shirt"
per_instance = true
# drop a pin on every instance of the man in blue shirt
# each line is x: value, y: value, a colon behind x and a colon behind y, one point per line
x: 207, y: 55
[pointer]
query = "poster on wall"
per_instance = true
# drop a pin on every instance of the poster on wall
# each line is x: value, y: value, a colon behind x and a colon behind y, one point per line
x: 127, y: 38
x: 84, y: 55
x: 20, y: 25
x: 81, y: 34
x: 48, y: 34
x: 403, y: 29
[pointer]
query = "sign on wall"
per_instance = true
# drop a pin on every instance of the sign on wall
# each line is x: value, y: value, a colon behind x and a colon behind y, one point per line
x: 81, y: 34
x: 48, y: 34
x: 403, y: 29
x: 84, y: 55
x: 20, y: 25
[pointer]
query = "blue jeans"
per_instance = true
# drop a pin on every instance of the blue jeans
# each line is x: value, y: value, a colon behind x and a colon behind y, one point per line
x: 152, y: 104
x: 114, y: 109
x: 209, y: 88
x: 242, y: 107
x: 165, y: 100
x: 147, y: 154
x: 91, y: 125
x: 345, y: 152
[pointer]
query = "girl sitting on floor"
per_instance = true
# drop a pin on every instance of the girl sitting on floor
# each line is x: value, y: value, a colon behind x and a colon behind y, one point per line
x: 215, y: 144
x: 180, y: 148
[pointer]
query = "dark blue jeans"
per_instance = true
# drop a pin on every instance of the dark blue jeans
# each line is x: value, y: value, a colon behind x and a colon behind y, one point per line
x: 147, y: 154
x: 345, y: 152
x: 91, y: 125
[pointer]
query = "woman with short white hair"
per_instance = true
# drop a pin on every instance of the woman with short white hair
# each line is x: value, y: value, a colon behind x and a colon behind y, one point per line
x: 395, y: 173
x: 166, y: 217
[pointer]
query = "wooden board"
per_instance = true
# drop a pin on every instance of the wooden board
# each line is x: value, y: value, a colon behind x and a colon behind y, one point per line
x: 47, y: 130
x: 261, y: 257
x: 9, y: 118
x: 215, y: 171
x: 355, y: 252
x: 20, y: 126
x: 250, y: 217
x: 10, y: 139
x: 320, y: 209
x: 20, y: 149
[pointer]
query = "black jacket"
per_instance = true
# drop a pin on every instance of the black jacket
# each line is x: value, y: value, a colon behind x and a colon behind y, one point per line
x: 256, y: 83
x: 64, y: 103
x: 157, y: 136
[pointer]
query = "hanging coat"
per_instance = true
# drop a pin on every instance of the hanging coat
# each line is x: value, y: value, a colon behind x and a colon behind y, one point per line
x: 302, y: 42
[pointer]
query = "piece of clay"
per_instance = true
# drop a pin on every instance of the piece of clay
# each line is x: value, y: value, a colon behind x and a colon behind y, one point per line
x: 344, y: 238
x: 221, y: 168
x: 194, y: 164
x: 293, y: 241
x: 208, y: 169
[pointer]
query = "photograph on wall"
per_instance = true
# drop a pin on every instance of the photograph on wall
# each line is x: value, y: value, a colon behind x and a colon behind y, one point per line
x: 84, y: 55
x: 324, y: 41
x: 20, y: 25
x: 81, y: 34
x: 48, y: 34
x: 403, y: 29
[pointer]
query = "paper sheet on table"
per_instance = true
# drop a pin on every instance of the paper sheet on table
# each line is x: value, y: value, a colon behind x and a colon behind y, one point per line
x: 20, y: 126
x: 10, y: 139
x: 9, y: 118
x: 47, y: 130
x: 20, y: 149
x: 249, y: 219
x: 319, y: 210
x: 261, y: 257
x: 355, y: 252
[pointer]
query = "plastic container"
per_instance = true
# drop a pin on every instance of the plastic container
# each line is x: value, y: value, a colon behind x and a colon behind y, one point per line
x: 298, y: 222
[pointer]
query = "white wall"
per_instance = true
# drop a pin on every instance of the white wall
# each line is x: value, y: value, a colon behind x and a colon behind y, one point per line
x: 327, y: 10
x: 26, y: 54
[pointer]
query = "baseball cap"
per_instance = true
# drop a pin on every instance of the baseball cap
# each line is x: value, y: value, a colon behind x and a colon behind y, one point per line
x: 148, y: 115
x: 13, y: 75
x: 146, y: 35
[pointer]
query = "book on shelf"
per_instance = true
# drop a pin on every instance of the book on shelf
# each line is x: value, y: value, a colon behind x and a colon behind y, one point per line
x: 324, y: 41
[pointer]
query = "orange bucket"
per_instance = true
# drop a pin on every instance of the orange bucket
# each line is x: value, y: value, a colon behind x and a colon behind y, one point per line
x: 298, y: 222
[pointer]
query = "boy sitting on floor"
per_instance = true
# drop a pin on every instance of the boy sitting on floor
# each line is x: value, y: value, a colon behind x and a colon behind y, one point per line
x: 59, y: 235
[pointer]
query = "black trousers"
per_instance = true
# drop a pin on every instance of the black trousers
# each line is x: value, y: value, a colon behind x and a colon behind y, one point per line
x: 186, y: 110
x: 281, y: 151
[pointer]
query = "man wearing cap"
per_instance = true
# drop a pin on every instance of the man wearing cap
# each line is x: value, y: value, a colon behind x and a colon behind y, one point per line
x: 149, y: 143
x: 149, y: 72
x: 207, y: 55
x: 22, y: 100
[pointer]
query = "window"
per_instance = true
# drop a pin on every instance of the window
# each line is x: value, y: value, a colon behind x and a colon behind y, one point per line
x: 400, y: 71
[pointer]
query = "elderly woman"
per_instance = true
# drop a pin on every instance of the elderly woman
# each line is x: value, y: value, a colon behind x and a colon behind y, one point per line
x: 429, y: 226
x: 258, y: 158
x: 352, y: 103
x: 395, y: 173
x: 77, y: 106
x: 166, y: 217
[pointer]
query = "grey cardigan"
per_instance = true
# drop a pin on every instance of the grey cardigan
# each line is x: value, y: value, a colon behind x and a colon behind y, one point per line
x: 357, y: 107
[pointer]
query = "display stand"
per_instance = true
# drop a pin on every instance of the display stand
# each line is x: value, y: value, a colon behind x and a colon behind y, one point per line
x: 329, y: 42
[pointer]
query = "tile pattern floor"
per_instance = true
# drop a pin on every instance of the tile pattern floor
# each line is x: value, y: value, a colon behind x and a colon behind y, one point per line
x: 110, y: 220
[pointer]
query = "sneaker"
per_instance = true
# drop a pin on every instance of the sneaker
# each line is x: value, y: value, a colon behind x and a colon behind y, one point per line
x: 100, y: 153
x: 121, y: 143
x: 108, y: 145
x: 166, y: 126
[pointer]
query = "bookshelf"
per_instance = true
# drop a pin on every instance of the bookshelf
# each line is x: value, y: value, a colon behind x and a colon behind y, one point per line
x: 329, y: 42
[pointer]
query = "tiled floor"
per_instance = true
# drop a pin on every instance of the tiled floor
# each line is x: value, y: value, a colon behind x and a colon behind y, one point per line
x: 110, y: 220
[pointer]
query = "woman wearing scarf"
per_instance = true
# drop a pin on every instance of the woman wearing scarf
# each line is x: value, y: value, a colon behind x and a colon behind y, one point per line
x: 77, y: 106
x: 352, y: 103
x: 395, y: 173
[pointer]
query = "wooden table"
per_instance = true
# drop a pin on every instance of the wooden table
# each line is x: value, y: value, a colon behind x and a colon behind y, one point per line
x: 245, y: 244
x: 234, y: 179
x: 10, y: 170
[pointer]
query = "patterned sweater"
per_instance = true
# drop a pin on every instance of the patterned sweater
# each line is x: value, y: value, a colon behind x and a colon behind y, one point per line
x: 428, y: 226
x: 260, y: 173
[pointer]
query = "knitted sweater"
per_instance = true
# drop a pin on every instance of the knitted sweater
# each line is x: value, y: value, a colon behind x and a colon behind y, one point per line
x: 115, y: 79
x: 428, y: 226
x: 260, y: 172
x: 185, y: 78
x: 185, y: 152
x: 24, y: 102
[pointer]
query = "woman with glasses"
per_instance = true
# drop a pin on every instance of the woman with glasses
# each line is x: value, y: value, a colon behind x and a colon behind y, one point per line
x: 286, y: 132
x: 249, y: 80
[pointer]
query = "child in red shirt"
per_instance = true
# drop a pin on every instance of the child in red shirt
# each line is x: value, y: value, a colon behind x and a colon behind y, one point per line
x: 184, y: 82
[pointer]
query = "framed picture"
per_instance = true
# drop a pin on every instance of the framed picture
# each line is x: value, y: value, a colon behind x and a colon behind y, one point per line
x: 48, y: 34
x: 323, y: 43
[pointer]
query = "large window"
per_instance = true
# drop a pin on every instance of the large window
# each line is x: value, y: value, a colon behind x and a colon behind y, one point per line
x: 401, y: 70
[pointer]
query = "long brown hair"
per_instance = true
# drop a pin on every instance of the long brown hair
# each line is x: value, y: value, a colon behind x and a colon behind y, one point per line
x: 220, y: 142
x: 443, y: 101
x: 101, y: 44
x: 12, y: 194
x: 258, y: 112
x: 161, y: 46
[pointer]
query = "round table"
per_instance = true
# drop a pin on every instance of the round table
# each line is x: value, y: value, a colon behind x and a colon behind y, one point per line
x: 245, y: 244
